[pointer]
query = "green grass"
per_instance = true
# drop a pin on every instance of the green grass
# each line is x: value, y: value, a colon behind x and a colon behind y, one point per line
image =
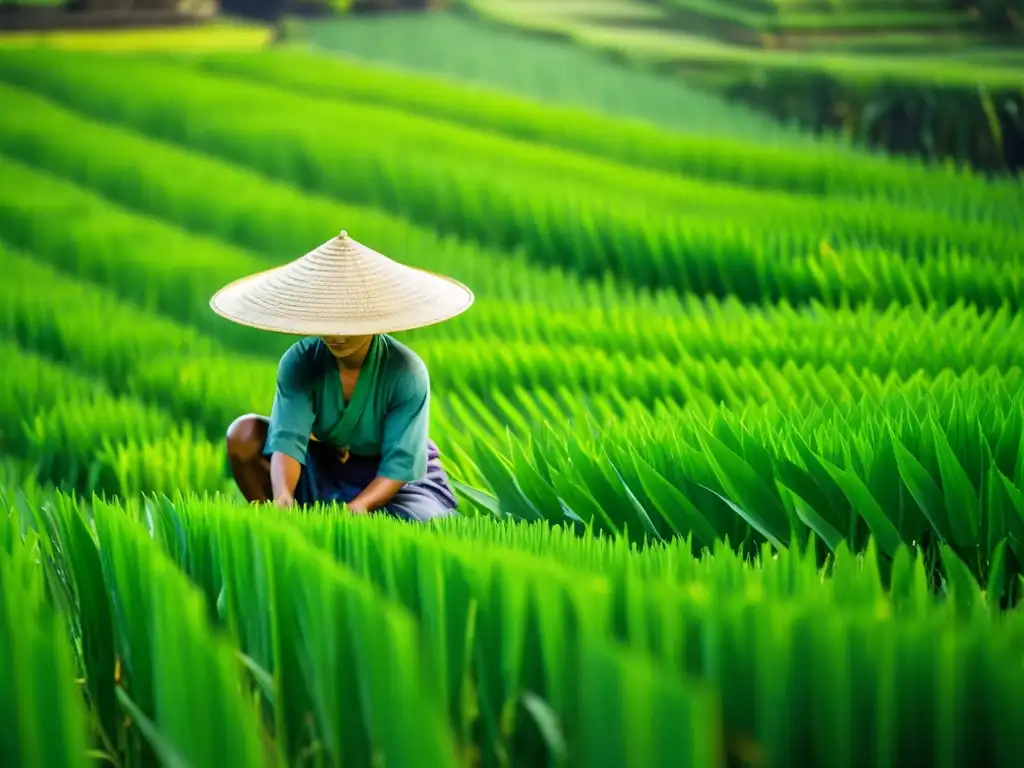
x: 713, y: 81
x: 706, y: 56
x: 645, y: 228
x: 826, y: 16
x: 312, y: 618
x: 460, y: 48
x: 217, y: 35
x: 828, y: 169
x: 732, y: 423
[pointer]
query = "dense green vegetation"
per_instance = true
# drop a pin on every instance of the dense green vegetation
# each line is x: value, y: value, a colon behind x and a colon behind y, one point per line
x: 946, y: 92
x: 461, y: 49
x: 738, y: 430
x: 514, y: 641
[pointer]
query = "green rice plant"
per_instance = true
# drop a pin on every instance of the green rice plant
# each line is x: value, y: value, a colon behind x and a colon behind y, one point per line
x: 36, y: 384
x: 823, y: 170
x: 71, y: 442
x: 211, y: 388
x: 852, y: 680
x: 276, y: 221
x: 93, y: 589
x: 481, y: 617
x: 458, y: 48
x: 744, y: 632
x: 649, y: 473
x: 197, y: 380
x: 337, y: 649
x: 117, y: 249
x: 739, y: 629
x: 87, y: 326
x: 165, y: 465
x: 168, y: 651
x: 111, y: 246
x: 616, y: 232
x: 210, y: 391
x: 901, y: 340
x: 63, y: 423
x: 93, y: 328
x: 663, y: 718
x: 68, y: 551
x: 184, y: 377
x: 16, y: 472
x: 316, y: 639
x: 43, y: 713
x: 947, y: 469
x: 74, y: 434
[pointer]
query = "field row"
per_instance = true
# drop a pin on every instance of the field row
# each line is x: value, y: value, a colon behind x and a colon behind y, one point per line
x: 656, y: 382
x: 950, y: 449
x: 454, y: 48
x: 95, y: 333
x: 720, y: 252
x: 105, y: 244
x: 710, y: 38
x: 728, y: 430
x: 275, y: 220
x: 706, y: 156
x: 554, y: 627
x: 633, y: 341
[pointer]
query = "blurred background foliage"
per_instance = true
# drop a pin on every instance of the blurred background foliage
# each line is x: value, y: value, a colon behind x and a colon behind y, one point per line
x: 935, y: 79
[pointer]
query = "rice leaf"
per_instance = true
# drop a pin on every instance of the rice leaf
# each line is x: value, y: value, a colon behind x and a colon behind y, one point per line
x: 677, y: 510
x: 961, y: 497
x: 922, y: 487
x: 864, y: 503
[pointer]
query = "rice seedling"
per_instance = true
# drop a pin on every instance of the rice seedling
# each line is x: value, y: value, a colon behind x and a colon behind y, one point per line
x: 110, y: 245
x: 551, y: 620
x: 167, y: 651
x: 45, y: 720
x: 633, y: 475
x: 737, y: 430
x: 461, y: 50
x: 74, y: 434
x: 825, y: 169
x: 615, y: 232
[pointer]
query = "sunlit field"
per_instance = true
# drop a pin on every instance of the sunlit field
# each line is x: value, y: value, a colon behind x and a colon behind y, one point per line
x: 736, y: 421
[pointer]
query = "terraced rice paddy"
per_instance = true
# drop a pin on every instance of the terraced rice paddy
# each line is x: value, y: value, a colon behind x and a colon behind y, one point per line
x: 738, y: 429
x: 771, y: 34
x: 217, y: 36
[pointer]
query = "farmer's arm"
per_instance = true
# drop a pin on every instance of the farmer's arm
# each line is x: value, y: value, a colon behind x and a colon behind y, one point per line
x: 284, y: 477
x: 404, y: 443
x: 375, y: 495
x: 291, y: 421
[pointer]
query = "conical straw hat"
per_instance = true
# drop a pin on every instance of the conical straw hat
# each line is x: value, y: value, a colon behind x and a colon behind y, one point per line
x: 342, y: 288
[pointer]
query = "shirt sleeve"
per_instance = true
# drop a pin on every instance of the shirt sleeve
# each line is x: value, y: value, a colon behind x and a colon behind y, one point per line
x: 292, y: 416
x: 406, y: 427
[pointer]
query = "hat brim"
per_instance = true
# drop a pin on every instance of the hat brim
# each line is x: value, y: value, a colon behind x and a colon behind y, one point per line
x: 238, y: 302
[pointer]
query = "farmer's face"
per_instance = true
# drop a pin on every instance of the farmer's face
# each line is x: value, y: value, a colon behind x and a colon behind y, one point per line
x: 343, y: 347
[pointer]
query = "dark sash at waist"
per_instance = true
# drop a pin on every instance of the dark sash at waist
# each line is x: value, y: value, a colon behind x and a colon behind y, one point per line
x: 331, y: 462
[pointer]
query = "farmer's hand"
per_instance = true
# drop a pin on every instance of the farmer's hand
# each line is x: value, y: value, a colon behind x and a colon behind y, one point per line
x: 374, y: 496
x: 284, y: 501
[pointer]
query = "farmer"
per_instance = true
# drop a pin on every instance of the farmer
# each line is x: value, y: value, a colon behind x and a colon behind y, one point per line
x: 350, y: 416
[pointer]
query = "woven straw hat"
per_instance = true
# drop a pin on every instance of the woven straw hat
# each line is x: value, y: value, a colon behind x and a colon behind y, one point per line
x: 341, y: 288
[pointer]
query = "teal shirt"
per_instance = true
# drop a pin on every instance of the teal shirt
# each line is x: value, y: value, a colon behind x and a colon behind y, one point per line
x: 387, y: 416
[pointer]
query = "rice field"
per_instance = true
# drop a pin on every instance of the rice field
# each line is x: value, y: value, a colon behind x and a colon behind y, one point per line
x: 217, y: 36
x: 737, y: 427
x: 909, y: 41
